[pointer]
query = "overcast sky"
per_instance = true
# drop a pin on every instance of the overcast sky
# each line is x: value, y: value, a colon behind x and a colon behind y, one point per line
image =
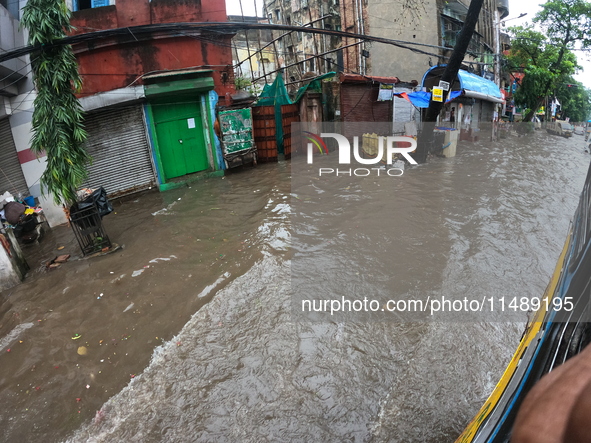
x: 516, y: 8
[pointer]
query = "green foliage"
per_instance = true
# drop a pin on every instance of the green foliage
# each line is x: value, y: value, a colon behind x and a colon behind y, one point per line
x: 542, y: 63
x: 242, y: 83
x: 566, y: 22
x: 58, y: 129
x: 575, y: 100
x: 547, y: 58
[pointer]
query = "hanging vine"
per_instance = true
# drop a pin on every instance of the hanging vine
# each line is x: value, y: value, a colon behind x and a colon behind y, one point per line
x: 58, y: 129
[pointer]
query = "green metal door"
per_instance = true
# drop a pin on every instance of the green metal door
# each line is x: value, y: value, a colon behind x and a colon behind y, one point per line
x: 181, y: 140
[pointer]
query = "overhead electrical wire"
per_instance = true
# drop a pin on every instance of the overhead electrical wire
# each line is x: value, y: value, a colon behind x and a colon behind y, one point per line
x: 146, y: 32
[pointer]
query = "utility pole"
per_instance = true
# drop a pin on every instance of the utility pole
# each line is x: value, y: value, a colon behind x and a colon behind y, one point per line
x: 449, y: 75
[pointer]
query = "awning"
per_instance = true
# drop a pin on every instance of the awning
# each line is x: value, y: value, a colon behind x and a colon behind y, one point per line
x: 471, y: 85
x: 421, y: 99
x: 478, y: 87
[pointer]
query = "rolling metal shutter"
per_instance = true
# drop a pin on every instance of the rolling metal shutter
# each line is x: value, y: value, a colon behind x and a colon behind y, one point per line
x: 121, y: 161
x: 11, y: 173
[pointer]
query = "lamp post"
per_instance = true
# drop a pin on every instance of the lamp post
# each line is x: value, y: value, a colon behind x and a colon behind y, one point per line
x: 497, y: 58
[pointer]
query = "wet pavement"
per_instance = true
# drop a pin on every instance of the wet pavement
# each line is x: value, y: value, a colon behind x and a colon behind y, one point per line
x: 186, y: 333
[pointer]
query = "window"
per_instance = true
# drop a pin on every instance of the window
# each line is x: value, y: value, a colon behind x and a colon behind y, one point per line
x: 89, y: 4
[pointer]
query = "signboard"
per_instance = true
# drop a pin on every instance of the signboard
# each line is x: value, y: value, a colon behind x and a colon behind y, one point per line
x: 437, y: 94
x: 443, y: 85
x: 236, y: 127
x: 385, y: 92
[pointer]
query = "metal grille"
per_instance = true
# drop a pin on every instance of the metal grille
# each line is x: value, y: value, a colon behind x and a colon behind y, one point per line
x: 11, y: 173
x: 119, y: 148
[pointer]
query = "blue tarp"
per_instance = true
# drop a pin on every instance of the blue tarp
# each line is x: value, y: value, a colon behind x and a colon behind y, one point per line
x: 421, y: 99
x: 469, y: 82
x: 473, y: 82
x: 213, y: 100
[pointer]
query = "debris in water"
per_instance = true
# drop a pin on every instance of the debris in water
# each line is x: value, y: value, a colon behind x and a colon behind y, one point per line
x: 60, y: 248
x: 129, y: 307
x: 158, y: 259
x: 76, y: 337
x: 62, y: 258
x: 136, y: 273
x: 82, y: 350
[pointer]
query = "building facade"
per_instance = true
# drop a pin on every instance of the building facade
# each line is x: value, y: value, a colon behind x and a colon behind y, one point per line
x: 306, y: 55
x: 149, y: 95
x: 426, y: 30
x: 253, y: 54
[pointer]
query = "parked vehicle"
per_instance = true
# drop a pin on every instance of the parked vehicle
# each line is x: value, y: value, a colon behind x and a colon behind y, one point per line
x: 579, y: 130
x: 560, y: 127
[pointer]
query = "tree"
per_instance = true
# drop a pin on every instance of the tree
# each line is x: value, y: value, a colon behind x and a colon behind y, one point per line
x: 574, y: 100
x: 532, y: 54
x: 58, y: 129
x: 566, y: 23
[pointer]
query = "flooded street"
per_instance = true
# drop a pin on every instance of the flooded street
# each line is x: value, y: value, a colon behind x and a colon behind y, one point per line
x: 188, y: 333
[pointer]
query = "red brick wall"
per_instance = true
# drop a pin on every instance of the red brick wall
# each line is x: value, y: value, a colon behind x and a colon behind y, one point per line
x: 114, y: 63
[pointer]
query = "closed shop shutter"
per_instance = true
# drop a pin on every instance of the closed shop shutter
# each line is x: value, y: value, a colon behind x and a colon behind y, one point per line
x: 119, y: 148
x: 403, y: 112
x: 11, y: 173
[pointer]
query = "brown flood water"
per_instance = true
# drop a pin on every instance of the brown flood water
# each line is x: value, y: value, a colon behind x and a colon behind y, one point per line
x: 192, y: 338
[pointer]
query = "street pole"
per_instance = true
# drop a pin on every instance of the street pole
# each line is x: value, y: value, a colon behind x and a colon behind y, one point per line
x: 449, y: 75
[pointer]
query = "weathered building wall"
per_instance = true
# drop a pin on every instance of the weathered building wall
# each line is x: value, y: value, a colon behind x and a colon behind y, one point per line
x: 113, y: 63
x: 412, y: 21
x: 16, y: 110
x: 355, y: 18
x: 299, y: 51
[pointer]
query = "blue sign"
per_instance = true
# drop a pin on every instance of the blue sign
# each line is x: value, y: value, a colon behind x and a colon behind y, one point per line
x: 99, y: 3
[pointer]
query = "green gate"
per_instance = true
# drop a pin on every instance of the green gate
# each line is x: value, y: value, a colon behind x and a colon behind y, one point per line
x: 181, y: 139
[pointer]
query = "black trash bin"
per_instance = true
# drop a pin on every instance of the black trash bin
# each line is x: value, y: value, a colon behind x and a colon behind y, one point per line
x: 86, y: 221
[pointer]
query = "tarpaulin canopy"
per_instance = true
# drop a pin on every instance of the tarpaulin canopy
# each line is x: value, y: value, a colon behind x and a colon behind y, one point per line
x: 276, y: 95
x: 475, y: 83
x: 421, y: 99
x: 315, y: 85
x: 471, y: 85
